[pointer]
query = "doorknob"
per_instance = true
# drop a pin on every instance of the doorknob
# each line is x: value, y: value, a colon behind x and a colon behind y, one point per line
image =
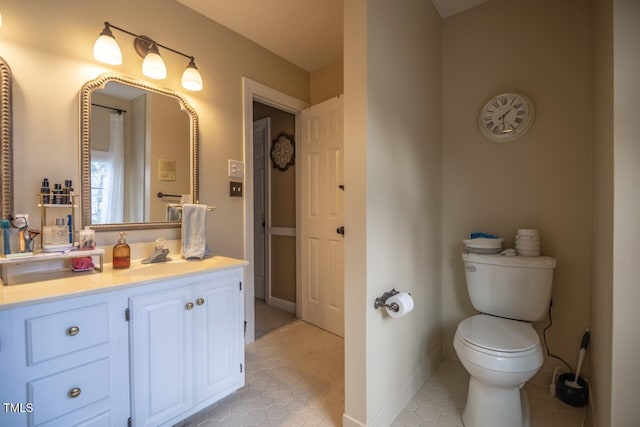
x: 340, y: 230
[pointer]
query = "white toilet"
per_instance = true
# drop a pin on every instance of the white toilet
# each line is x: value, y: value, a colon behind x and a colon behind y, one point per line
x: 499, y: 348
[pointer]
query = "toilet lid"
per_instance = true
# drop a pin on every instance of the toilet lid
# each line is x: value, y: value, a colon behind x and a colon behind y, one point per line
x: 498, y: 334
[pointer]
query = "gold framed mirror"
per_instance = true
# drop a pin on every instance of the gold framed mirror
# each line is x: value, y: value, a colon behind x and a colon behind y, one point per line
x: 137, y: 141
x: 6, y: 143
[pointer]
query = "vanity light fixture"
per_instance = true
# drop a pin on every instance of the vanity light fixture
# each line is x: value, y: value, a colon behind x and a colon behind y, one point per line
x: 106, y: 50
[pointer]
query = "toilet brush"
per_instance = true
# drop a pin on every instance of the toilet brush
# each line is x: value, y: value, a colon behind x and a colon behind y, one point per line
x: 571, y: 388
x: 583, y: 349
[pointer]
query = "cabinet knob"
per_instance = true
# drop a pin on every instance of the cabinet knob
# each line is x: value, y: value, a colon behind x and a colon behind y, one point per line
x: 75, y: 392
x: 189, y: 306
x: 200, y: 301
x: 73, y: 331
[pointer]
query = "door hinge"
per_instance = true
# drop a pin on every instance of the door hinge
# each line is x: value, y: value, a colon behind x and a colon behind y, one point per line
x: 129, y: 421
x: 127, y: 316
x: 240, y: 285
x: 241, y: 367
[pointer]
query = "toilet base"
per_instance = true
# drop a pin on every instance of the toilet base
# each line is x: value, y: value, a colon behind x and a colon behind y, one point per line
x: 495, y: 407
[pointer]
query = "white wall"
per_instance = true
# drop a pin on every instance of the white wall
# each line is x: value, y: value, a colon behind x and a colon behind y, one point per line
x: 49, y: 45
x: 393, y: 140
x: 541, y: 180
x: 626, y: 223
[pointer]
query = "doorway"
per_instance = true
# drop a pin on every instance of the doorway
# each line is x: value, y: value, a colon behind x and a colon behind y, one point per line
x: 254, y: 91
x: 274, y: 212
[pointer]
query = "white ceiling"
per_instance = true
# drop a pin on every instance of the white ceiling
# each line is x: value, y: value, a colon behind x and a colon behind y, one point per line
x: 307, y: 33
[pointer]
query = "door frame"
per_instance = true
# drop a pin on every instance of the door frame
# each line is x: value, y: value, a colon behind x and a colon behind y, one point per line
x: 254, y: 91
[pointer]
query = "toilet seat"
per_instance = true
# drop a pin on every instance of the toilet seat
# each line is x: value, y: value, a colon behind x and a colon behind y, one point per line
x: 496, y: 334
x: 510, y: 346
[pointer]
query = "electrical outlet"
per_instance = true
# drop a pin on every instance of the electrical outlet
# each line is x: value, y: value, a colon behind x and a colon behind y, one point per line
x: 236, y: 169
x: 235, y: 189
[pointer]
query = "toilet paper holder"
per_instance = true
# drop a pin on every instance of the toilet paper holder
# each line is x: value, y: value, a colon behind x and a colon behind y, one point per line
x: 382, y: 301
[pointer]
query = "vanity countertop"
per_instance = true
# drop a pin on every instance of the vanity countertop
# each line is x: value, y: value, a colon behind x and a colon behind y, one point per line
x: 110, y: 279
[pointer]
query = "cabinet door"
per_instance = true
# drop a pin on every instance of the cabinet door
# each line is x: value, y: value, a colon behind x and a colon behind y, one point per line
x: 218, y: 336
x: 162, y: 354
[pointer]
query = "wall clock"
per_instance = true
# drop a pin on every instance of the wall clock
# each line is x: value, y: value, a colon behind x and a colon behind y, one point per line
x: 283, y: 152
x: 506, y: 117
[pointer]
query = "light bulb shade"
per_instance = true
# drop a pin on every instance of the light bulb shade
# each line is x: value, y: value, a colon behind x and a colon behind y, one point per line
x: 106, y: 48
x: 153, y: 66
x: 191, y: 78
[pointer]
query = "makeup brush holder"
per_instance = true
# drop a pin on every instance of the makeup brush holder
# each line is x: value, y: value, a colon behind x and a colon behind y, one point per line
x: 574, y: 396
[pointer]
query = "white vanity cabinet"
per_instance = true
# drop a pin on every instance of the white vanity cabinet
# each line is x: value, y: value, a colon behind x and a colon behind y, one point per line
x: 148, y: 346
x: 187, y: 347
x: 65, y: 363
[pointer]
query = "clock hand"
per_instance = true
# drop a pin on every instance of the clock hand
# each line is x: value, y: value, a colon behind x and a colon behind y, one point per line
x: 505, y: 113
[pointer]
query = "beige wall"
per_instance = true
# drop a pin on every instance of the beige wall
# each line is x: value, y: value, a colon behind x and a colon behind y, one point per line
x: 326, y: 83
x: 167, y: 129
x: 626, y: 204
x: 602, y: 262
x: 48, y: 46
x: 541, y: 180
x: 283, y: 207
x: 355, y: 211
x: 393, y: 179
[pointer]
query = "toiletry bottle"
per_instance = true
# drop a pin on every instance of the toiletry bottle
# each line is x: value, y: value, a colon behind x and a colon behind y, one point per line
x: 87, y: 238
x: 57, y: 194
x: 70, y: 227
x: 121, y: 253
x: 60, y: 232
x: 5, y: 237
x: 45, y: 191
x: 67, y: 191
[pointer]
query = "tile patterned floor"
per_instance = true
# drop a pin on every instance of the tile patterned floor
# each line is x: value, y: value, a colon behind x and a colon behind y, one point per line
x: 269, y: 318
x: 295, y: 377
x: 440, y: 401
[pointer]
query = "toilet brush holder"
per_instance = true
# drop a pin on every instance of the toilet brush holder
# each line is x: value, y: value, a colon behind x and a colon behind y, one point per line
x: 570, y: 393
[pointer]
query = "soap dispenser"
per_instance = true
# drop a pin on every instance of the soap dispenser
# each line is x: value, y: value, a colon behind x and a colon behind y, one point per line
x: 121, y: 253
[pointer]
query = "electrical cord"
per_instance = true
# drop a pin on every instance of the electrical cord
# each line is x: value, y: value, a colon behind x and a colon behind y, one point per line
x: 544, y: 337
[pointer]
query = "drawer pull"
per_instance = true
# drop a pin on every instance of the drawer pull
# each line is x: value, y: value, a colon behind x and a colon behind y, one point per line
x: 75, y: 392
x: 200, y: 301
x: 73, y: 331
x: 189, y: 306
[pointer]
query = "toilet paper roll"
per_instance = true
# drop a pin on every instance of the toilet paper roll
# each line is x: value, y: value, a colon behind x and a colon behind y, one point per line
x: 405, y: 304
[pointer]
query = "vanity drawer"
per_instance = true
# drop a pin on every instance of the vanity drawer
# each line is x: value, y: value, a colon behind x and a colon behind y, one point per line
x: 65, y: 332
x: 68, y: 391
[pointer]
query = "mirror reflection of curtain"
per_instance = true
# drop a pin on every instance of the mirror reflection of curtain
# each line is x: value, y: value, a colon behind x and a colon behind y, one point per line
x: 107, y: 176
x: 115, y: 201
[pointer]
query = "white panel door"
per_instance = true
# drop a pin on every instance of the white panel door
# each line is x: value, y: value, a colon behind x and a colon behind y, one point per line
x: 162, y: 355
x: 322, y: 248
x: 261, y: 137
x: 219, y: 344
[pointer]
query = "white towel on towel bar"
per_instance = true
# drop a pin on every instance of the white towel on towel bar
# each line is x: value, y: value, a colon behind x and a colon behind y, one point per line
x: 194, y: 231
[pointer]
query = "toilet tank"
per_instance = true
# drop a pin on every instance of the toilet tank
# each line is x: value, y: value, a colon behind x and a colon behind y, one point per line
x: 515, y: 287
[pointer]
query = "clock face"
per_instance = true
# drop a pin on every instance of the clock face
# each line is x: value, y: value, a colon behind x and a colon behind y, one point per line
x: 506, y: 117
x: 282, y: 152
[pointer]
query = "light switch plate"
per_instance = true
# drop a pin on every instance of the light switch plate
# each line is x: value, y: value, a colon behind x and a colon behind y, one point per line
x: 236, y: 169
x: 235, y: 189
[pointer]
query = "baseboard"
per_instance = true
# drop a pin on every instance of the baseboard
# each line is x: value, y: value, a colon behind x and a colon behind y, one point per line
x: 397, y: 403
x: 288, y: 306
x: 347, y: 421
